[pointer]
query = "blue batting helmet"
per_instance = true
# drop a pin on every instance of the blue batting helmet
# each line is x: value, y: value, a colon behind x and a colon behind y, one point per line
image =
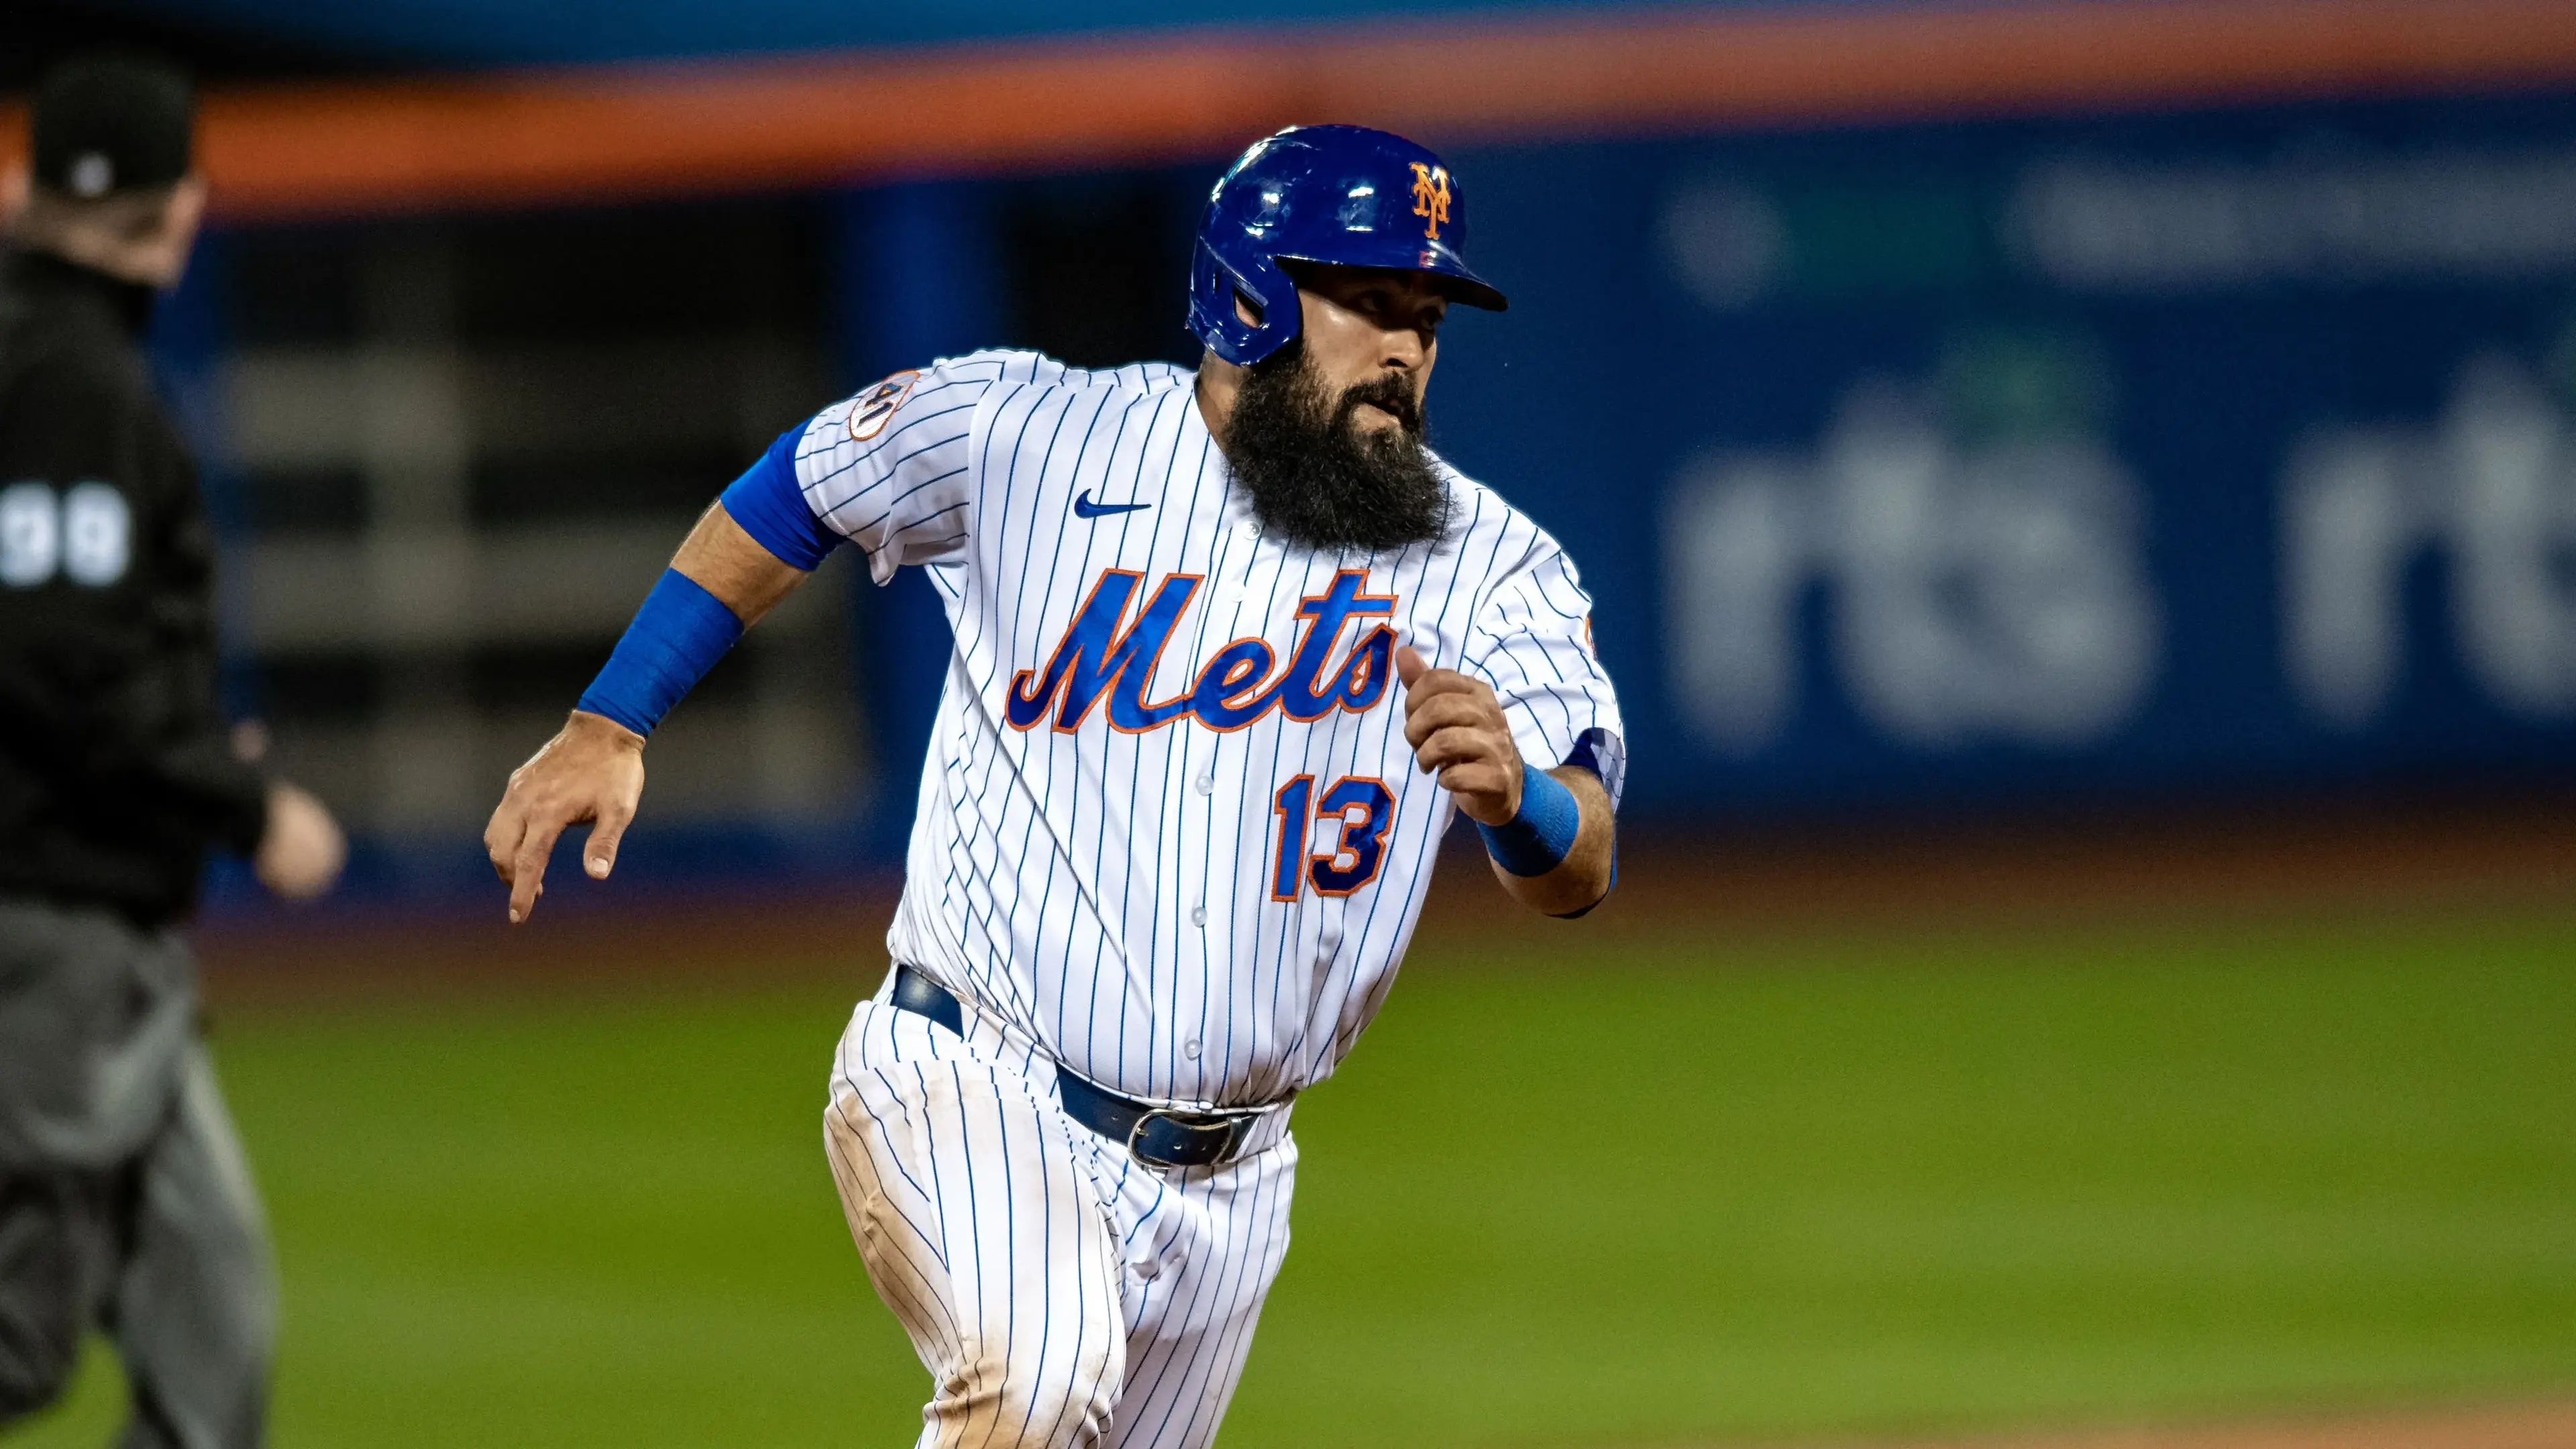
x: 1341, y: 194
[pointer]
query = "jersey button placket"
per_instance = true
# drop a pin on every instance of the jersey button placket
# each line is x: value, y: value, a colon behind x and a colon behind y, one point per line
x: 1202, y: 777
x: 1233, y: 568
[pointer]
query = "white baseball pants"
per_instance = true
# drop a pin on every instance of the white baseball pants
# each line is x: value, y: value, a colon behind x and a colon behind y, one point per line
x: 1059, y: 1292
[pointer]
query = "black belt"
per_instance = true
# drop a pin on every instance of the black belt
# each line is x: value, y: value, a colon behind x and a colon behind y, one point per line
x: 1156, y: 1136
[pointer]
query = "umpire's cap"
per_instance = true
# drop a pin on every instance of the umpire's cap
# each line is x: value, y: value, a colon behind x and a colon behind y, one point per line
x: 1343, y: 194
x: 104, y: 124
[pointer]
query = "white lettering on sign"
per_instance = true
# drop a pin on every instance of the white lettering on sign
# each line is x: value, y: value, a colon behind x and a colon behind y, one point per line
x: 1971, y: 594
x: 2490, y: 490
x: 2334, y: 219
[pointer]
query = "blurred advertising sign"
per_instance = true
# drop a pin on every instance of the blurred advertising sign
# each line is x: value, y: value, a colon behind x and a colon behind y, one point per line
x: 2034, y: 458
x: 1990, y: 589
x: 2491, y: 489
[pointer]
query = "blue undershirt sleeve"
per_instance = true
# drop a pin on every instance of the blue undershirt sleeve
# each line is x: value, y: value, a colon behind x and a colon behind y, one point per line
x: 769, y: 505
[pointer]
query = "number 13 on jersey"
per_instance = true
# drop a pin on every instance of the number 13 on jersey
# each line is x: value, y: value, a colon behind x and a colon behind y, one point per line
x: 1357, y: 813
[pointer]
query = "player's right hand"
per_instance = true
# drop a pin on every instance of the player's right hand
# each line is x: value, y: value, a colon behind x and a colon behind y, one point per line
x: 593, y: 769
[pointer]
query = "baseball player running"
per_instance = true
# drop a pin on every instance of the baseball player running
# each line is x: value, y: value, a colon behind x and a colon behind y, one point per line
x: 1231, y: 646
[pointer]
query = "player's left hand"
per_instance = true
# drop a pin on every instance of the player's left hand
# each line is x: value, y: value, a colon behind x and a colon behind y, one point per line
x: 1457, y: 731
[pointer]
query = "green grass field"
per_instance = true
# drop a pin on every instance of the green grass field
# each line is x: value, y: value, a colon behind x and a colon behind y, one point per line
x: 1653, y: 1191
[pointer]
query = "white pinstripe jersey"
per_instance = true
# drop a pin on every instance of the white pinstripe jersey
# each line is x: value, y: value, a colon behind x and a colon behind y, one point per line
x: 1169, y: 827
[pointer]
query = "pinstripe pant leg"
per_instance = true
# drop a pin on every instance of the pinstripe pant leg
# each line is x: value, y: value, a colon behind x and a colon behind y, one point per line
x: 1203, y: 1249
x: 982, y: 1231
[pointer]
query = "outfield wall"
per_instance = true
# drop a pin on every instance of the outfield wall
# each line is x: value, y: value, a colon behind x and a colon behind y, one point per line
x: 2190, y: 423
x: 2012, y: 463
x: 2005, y: 460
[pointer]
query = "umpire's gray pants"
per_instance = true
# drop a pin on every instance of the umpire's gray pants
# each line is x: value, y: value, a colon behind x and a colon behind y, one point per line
x: 125, y: 1201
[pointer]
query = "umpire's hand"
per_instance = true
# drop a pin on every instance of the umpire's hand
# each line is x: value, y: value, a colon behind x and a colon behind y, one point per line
x: 593, y: 770
x: 301, y: 850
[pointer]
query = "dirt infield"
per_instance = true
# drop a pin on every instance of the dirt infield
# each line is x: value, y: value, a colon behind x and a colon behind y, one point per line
x: 2533, y: 1426
x: 2081, y: 867
x: 2250, y: 857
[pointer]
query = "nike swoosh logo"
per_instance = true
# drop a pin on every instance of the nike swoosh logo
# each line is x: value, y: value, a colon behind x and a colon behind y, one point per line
x: 1083, y: 507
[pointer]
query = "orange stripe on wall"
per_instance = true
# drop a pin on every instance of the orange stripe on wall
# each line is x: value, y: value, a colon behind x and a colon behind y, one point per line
x: 638, y: 132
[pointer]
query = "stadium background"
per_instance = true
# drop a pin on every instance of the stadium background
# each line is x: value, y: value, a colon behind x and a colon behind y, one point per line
x: 2081, y: 499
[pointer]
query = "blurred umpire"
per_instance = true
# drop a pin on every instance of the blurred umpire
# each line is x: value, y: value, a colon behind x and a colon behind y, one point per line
x: 125, y: 1204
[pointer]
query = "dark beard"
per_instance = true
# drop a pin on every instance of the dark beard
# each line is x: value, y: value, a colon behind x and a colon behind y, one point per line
x: 1314, y: 479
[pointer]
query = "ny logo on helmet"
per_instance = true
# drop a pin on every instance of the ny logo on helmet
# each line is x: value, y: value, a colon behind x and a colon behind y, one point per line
x: 1431, y: 197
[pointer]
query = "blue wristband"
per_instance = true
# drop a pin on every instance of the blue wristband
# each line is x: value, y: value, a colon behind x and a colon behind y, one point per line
x: 677, y: 636
x: 1538, y: 839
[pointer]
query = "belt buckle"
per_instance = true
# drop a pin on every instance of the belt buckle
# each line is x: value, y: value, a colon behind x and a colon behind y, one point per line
x: 1234, y: 1128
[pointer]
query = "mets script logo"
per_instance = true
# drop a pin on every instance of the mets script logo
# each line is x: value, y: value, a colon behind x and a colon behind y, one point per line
x: 1431, y: 197
x: 1236, y: 687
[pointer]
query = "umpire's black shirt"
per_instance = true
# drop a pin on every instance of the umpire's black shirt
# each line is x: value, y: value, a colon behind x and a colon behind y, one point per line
x: 116, y: 772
